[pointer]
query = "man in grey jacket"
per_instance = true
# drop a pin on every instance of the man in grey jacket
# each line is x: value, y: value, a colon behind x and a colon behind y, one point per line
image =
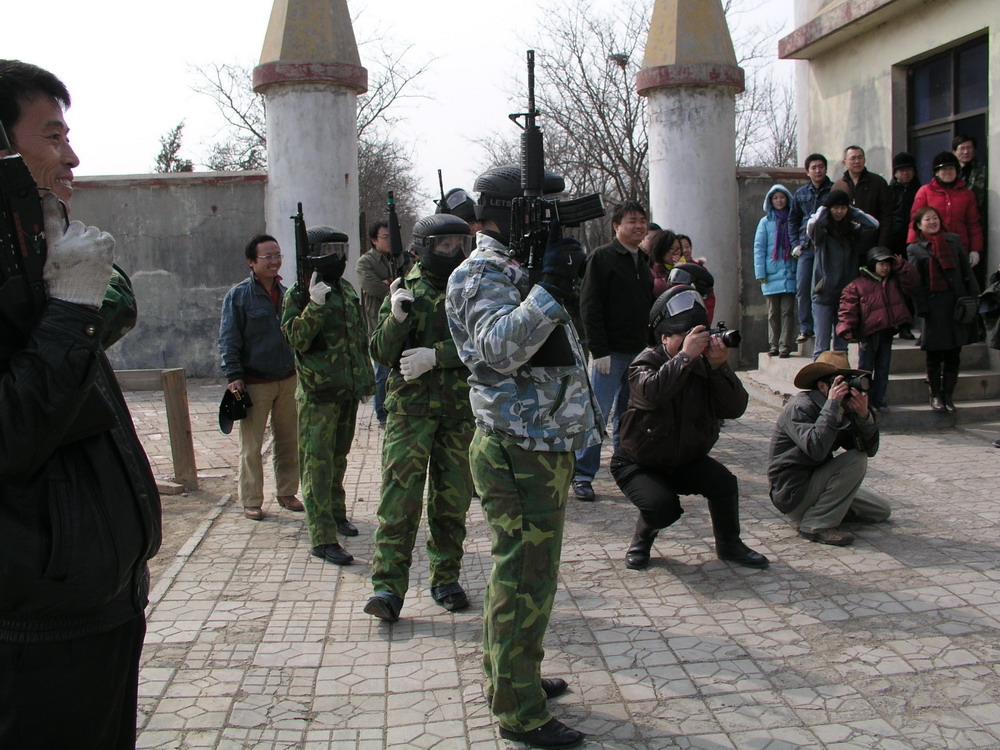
x: 813, y: 487
x: 257, y: 359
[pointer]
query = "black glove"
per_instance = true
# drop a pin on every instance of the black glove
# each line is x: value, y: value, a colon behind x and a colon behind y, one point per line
x: 562, y: 264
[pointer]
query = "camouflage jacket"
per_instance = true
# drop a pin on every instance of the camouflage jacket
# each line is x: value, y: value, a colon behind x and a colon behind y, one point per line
x: 444, y: 390
x: 498, y: 321
x: 118, y: 310
x: 331, y: 356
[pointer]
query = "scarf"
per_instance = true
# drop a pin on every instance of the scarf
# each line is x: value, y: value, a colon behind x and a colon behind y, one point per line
x: 941, y: 253
x: 782, y: 247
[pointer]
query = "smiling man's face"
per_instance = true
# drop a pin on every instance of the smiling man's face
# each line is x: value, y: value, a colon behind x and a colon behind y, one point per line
x: 40, y: 136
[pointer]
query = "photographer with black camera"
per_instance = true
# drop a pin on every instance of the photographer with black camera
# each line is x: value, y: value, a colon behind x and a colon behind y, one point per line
x: 680, y: 389
x: 810, y: 485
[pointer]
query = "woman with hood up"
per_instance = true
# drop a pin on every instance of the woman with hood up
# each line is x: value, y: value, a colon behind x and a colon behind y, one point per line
x: 774, y: 269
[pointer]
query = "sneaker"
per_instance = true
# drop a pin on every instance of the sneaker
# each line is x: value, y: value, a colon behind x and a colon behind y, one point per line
x: 584, y: 491
x: 803, y: 337
x: 834, y: 537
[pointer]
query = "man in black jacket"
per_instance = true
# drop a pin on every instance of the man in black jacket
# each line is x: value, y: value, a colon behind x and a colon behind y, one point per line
x: 615, y: 299
x: 79, y: 509
x: 680, y: 389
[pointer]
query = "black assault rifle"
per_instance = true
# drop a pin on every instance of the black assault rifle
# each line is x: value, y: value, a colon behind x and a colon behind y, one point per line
x: 397, y: 256
x: 22, y: 243
x: 534, y: 219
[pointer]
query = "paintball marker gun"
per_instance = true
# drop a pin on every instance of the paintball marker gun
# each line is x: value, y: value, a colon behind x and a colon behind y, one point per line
x: 301, y: 254
x: 532, y: 215
x: 397, y: 257
x: 22, y: 243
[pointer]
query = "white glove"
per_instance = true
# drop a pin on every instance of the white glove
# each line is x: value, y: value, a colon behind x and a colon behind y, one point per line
x: 603, y: 364
x: 973, y: 259
x: 415, y: 362
x: 397, y: 300
x: 797, y: 251
x: 78, y: 264
x: 318, y: 289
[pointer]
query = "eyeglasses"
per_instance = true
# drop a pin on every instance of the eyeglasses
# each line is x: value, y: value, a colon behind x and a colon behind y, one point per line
x: 269, y: 258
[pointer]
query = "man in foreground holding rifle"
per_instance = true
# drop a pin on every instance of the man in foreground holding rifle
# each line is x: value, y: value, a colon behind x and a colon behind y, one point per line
x: 79, y: 509
x: 533, y: 408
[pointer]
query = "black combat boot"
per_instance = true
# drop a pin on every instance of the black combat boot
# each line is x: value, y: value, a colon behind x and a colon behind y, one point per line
x: 637, y: 556
x: 726, y: 527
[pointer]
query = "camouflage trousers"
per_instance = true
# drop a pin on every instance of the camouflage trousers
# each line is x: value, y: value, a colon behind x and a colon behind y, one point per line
x: 416, y: 448
x: 326, y: 431
x: 524, y: 498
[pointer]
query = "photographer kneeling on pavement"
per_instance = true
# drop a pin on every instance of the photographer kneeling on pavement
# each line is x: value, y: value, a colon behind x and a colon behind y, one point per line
x: 810, y: 485
x: 679, y: 391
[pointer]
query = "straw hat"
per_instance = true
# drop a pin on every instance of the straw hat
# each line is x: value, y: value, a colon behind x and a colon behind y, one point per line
x: 827, y: 363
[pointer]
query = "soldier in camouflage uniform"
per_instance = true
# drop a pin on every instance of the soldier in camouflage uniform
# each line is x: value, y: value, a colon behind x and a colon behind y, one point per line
x: 529, y: 421
x: 429, y: 423
x: 326, y: 328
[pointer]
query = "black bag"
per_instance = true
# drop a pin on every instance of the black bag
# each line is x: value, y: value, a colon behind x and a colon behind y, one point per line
x: 966, y: 310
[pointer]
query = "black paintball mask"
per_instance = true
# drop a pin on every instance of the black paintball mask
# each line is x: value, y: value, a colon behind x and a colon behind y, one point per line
x: 327, y: 252
x: 692, y: 274
x: 441, y: 242
x: 677, y: 310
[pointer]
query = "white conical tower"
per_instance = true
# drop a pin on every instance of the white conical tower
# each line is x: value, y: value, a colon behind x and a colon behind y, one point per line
x: 311, y: 75
x: 690, y: 76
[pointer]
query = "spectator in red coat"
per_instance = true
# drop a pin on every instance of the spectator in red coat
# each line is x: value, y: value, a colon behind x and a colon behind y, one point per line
x: 948, y: 193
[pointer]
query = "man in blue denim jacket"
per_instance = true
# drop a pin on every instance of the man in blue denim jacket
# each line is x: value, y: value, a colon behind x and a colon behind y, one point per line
x: 257, y: 359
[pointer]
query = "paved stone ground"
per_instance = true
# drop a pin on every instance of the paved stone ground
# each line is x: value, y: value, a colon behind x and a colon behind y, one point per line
x: 891, y: 643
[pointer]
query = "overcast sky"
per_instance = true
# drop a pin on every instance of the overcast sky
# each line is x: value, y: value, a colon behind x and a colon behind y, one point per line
x: 129, y: 67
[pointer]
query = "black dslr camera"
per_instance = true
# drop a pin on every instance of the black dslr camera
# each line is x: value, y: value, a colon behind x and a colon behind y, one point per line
x: 730, y: 338
x: 859, y: 383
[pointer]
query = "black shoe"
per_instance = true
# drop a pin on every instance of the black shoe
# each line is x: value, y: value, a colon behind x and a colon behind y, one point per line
x: 784, y: 354
x: 384, y: 605
x: 554, y: 686
x: 834, y: 537
x: 451, y: 596
x: 996, y: 443
x: 937, y: 404
x: 346, y: 528
x: 906, y: 334
x: 583, y: 490
x: 740, y: 554
x: 333, y: 553
x: 773, y: 351
x: 551, y: 734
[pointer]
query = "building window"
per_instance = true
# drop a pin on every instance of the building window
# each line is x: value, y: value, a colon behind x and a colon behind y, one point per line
x: 948, y: 95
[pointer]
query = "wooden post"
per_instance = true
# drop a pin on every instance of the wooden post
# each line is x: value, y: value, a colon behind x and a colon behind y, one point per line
x: 179, y: 427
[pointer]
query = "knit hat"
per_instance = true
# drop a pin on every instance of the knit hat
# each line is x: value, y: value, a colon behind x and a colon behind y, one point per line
x: 837, y: 198
x: 903, y: 159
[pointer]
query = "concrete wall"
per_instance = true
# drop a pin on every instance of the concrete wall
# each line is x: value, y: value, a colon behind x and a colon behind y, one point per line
x: 180, y: 238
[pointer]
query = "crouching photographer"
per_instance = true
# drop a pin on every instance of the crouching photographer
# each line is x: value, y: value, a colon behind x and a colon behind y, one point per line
x: 680, y: 389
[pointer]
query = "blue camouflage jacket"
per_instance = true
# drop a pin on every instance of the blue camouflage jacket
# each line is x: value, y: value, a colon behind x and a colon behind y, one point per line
x: 498, y: 321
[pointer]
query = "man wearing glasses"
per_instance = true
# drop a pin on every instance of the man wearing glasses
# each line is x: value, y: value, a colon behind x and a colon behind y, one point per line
x: 257, y: 359
x: 375, y: 275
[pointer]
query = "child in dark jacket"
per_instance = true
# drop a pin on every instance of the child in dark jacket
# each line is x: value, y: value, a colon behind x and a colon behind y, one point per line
x: 872, y: 307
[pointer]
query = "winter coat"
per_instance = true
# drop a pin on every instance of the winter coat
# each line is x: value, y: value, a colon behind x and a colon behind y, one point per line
x: 957, y: 206
x: 373, y: 270
x: 940, y: 331
x: 499, y: 319
x: 250, y: 339
x: 807, y: 433
x: 805, y: 202
x: 615, y: 299
x: 870, y: 303
x: 871, y: 195
x: 837, y: 256
x: 675, y: 404
x: 331, y: 345
x: 79, y: 508
x: 778, y: 274
x: 442, y: 391
x: 989, y: 306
